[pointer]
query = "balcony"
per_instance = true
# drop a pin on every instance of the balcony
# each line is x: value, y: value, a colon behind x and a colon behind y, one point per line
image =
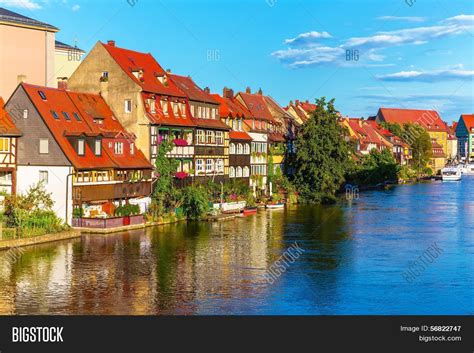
x: 110, y: 191
x: 181, y: 151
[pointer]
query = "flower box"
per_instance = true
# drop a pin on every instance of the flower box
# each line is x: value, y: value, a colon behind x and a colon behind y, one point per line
x: 180, y: 142
x: 181, y: 175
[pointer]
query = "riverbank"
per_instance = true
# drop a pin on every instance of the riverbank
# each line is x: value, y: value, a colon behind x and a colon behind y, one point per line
x: 47, y: 238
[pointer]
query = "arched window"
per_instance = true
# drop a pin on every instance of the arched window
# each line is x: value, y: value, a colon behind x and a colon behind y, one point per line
x: 232, y: 148
x: 246, y: 172
x: 240, y: 149
x: 239, y: 172
x: 231, y: 172
x: 246, y: 148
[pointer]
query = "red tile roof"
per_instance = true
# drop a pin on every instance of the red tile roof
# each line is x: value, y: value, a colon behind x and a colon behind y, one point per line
x: 191, y: 89
x: 239, y: 135
x: 257, y: 106
x: 7, y: 126
x: 130, y: 61
x: 158, y: 117
x: 211, y: 124
x: 231, y: 107
x: 468, y: 121
x: 89, y: 108
x: 366, y: 131
x: 276, y: 137
x: 428, y: 119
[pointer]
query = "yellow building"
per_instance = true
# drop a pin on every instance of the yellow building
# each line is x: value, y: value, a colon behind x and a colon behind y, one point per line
x: 66, y: 60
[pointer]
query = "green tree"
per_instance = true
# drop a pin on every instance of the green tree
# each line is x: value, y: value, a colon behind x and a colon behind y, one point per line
x: 322, y: 154
x: 164, y: 194
x: 394, y: 128
x: 195, y: 202
x: 420, y: 142
x: 374, y: 168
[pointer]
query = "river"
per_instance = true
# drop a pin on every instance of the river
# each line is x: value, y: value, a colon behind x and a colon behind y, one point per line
x: 351, y: 259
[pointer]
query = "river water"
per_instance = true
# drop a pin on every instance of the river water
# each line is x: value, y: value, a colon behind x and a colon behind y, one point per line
x: 350, y: 259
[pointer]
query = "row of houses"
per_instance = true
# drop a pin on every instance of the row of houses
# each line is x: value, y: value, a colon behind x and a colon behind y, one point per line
x: 93, y: 133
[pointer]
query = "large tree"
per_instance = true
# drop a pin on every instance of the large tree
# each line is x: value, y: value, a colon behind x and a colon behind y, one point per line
x: 420, y: 142
x: 322, y: 154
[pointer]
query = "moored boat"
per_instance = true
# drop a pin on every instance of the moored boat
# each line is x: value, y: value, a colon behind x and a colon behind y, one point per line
x: 451, y: 174
x: 466, y: 169
x: 250, y: 210
x: 275, y: 206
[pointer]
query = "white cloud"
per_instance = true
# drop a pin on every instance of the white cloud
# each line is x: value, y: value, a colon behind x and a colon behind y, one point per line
x: 428, y: 76
x: 76, y: 8
x: 22, y: 4
x: 307, y: 38
x: 401, y: 18
x: 309, y: 52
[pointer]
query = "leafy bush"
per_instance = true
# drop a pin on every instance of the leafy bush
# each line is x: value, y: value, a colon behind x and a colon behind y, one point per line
x: 127, y: 210
x: 195, y: 202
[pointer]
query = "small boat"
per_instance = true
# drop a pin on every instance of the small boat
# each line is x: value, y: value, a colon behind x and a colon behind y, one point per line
x: 275, y: 206
x: 451, y: 174
x: 250, y: 210
x: 466, y: 169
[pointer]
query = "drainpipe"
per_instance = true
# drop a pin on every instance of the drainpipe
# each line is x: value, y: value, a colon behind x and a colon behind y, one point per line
x: 67, y: 196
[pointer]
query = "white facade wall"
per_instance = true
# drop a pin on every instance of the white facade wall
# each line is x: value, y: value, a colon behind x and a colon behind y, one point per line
x: 57, y: 178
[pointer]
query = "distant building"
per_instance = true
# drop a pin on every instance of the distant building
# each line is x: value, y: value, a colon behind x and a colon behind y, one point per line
x: 465, y: 136
x: 27, y: 52
x: 428, y: 120
x: 67, y: 58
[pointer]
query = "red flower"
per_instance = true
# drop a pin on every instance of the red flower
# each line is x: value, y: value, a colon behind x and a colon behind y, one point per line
x: 180, y: 142
x: 181, y: 175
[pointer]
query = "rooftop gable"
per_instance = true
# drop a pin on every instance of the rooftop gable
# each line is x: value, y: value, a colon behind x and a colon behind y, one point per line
x: 191, y: 89
x: 15, y: 19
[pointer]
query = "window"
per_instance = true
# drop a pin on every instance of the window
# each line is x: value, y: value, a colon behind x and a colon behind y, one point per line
x: 192, y: 110
x: 98, y: 147
x: 25, y: 114
x: 118, y: 148
x: 44, y: 146
x: 175, y: 108
x: 239, y: 172
x: 232, y: 148
x: 213, y: 113
x: 200, y: 137
x: 199, y: 111
x: 232, y: 172
x: 199, y: 165
x: 240, y: 149
x: 42, y: 95
x: 208, y: 113
x: 183, y: 109
x: 209, y: 165
x: 219, y: 138
x: 246, y: 148
x: 132, y: 148
x: 66, y: 116
x: 220, y: 166
x: 76, y: 116
x: 4, y: 145
x: 239, y: 128
x: 80, y: 147
x: 105, y: 75
x: 43, y: 177
x: 210, y: 139
x: 246, y: 172
x: 151, y: 102
x: 55, y: 115
x: 128, y: 105
x: 164, y: 106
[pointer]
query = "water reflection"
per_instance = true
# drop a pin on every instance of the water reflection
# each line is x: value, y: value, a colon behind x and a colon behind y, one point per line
x: 353, y: 255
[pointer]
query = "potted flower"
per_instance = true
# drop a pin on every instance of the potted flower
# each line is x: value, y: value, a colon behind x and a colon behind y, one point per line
x: 180, y: 142
x: 181, y: 175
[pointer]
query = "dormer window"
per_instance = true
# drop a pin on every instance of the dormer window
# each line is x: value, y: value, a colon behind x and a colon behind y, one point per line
x: 81, y: 147
x: 175, y: 108
x: 66, y: 116
x: 151, y: 102
x: 118, y: 148
x: 55, y: 115
x: 42, y: 95
x: 76, y: 116
x: 132, y: 148
x: 98, y: 147
x: 164, y: 106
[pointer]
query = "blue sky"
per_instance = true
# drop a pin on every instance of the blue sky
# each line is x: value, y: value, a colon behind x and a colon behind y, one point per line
x: 418, y: 56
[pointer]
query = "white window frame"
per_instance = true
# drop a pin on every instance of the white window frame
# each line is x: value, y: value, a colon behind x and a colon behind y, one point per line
x: 239, y: 172
x: 240, y: 148
x: 25, y: 113
x: 210, y: 136
x: 232, y: 148
x: 44, y: 146
x: 200, y: 165
x: 118, y: 148
x: 219, y: 137
x: 43, y: 177
x: 219, y: 165
x: 231, y: 172
x: 200, y: 137
x: 246, y: 148
x: 246, y: 172
x: 132, y: 148
x: 128, y: 106
x: 209, y: 165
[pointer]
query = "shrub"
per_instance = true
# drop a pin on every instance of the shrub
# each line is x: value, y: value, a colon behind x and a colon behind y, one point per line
x: 195, y: 202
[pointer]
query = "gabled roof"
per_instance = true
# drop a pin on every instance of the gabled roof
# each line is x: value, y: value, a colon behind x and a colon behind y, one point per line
x: 257, y: 106
x: 191, y: 89
x: 366, y: 131
x: 172, y: 119
x: 13, y: 18
x: 61, y: 45
x: 7, y: 126
x: 87, y: 107
x: 231, y: 107
x: 131, y: 61
x: 468, y: 121
x: 308, y: 107
x: 428, y: 119
x: 239, y: 135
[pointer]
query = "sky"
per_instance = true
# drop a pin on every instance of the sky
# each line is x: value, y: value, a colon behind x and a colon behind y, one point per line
x: 416, y: 54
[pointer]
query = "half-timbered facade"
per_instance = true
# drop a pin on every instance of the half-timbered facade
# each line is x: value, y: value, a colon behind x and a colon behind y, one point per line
x: 73, y: 144
x: 233, y: 114
x: 9, y: 135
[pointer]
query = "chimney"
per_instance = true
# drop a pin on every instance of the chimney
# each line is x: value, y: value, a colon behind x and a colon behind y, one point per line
x: 228, y: 93
x: 207, y: 90
x: 21, y: 79
x: 297, y: 102
x: 248, y: 90
x: 62, y: 83
x: 111, y: 43
x: 307, y: 101
x: 260, y: 92
x: 291, y: 103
